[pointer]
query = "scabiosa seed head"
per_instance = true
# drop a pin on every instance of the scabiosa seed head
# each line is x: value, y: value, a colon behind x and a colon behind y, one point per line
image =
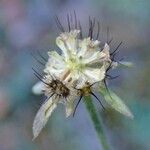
x: 82, y: 64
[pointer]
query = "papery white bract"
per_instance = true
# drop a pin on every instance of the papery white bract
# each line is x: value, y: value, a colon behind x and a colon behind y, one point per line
x: 43, y: 115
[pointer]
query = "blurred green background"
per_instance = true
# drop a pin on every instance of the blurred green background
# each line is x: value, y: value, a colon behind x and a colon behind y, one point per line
x: 27, y: 27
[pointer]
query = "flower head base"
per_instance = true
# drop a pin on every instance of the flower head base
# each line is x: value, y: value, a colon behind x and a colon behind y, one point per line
x: 81, y: 65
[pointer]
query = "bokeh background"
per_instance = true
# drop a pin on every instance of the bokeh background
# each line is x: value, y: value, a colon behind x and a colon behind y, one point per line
x: 28, y: 26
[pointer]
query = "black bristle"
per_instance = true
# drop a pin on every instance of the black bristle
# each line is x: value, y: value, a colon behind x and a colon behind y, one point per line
x: 75, y: 20
x: 42, y: 56
x: 68, y: 21
x: 59, y: 25
x: 77, y: 105
x: 113, y: 53
x: 80, y: 28
x: 98, y: 30
x: 39, y: 76
x: 98, y: 100
x: 40, y: 62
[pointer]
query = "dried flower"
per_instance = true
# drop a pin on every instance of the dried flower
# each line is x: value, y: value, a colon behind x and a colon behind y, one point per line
x: 82, y: 64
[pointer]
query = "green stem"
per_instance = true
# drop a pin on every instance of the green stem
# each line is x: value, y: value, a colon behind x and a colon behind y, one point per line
x: 97, y: 123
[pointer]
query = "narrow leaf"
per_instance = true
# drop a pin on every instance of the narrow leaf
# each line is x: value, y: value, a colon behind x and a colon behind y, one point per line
x: 125, y: 64
x: 115, y: 102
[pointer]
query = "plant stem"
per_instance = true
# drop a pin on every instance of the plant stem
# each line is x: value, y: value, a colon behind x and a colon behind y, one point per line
x: 96, y: 121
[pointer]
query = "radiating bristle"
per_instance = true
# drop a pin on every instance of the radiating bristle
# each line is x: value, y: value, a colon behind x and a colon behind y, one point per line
x: 77, y: 105
x: 114, y: 52
x: 68, y: 21
x: 75, y: 20
x: 98, y: 30
x: 39, y: 61
x: 59, y: 25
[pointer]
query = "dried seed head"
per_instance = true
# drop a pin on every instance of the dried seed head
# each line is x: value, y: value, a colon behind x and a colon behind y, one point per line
x: 57, y: 87
x: 81, y: 63
x: 85, y: 90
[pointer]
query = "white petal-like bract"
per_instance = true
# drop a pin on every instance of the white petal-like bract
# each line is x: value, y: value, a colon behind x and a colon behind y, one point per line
x: 42, y: 116
x: 38, y: 88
